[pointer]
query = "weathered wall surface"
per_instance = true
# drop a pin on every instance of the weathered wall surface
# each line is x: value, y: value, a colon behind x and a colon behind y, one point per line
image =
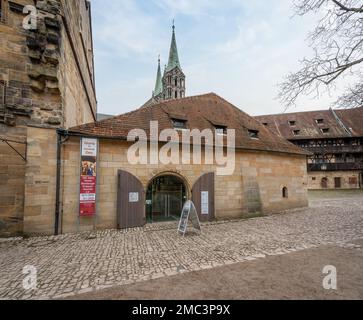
x: 48, y: 75
x: 40, y: 181
x: 268, y: 173
x: 76, y: 65
x: 12, y: 179
x: 349, y: 180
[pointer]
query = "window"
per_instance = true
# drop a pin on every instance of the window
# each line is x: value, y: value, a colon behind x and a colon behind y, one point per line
x: 176, y: 82
x: 313, y: 178
x: 353, y: 181
x: 338, y: 183
x: 324, y: 183
x: 169, y: 93
x: 179, y: 124
x: 253, y: 134
x: 176, y: 94
x: 265, y: 124
x: 296, y: 132
x: 325, y: 130
x: 319, y: 121
x: 285, y: 193
x: 292, y: 123
x: 221, y: 129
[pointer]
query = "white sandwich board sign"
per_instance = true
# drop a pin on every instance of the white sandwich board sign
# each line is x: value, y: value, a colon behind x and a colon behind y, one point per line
x: 189, y: 213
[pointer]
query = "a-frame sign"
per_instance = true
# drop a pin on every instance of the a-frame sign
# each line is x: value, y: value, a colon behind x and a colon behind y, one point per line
x: 189, y: 213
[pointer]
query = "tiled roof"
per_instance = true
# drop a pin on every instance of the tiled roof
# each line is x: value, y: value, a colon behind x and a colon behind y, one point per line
x: 316, y: 124
x: 200, y: 112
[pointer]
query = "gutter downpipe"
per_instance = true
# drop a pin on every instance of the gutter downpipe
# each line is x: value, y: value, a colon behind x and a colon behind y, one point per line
x: 60, y: 133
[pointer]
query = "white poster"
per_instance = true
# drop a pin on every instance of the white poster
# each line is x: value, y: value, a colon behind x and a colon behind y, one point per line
x: 133, y: 197
x: 205, y: 202
x: 89, y: 147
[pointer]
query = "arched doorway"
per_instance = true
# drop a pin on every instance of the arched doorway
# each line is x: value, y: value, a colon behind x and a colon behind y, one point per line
x: 165, y: 198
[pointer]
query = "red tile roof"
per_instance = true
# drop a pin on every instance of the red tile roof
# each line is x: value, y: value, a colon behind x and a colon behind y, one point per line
x: 341, y: 123
x: 200, y: 112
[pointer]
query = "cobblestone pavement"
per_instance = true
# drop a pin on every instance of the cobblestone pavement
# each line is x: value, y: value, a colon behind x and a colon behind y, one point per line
x: 76, y: 264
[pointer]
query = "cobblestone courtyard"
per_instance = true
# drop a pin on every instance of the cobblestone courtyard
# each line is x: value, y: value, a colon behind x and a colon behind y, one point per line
x: 76, y: 264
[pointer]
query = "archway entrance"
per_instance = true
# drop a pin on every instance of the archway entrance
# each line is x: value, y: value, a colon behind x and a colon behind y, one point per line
x: 165, y: 198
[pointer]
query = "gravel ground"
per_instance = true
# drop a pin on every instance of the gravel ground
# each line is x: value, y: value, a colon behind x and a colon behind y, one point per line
x: 77, y: 264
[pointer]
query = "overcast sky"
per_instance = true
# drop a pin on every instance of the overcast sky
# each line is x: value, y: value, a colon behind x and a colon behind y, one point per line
x: 239, y: 49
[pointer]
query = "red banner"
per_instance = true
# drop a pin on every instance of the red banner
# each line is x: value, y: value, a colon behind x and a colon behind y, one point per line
x: 88, y: 182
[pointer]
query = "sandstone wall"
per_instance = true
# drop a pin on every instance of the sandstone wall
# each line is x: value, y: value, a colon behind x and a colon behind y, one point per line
x: 349, y: 179
x: 266, y: 173
x: 48, y: 75
x: 12, y: 180
x: 40, y: 181
x: 76, y: 65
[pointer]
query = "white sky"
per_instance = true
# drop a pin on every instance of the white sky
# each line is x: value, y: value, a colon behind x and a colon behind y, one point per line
x: 239, y: 49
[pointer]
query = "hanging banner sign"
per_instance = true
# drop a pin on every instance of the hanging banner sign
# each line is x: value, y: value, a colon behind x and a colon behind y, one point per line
x: 189, y: 213
x: 87, y: 204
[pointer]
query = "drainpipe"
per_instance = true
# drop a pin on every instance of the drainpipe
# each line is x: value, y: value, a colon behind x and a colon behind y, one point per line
x: 60, y: 133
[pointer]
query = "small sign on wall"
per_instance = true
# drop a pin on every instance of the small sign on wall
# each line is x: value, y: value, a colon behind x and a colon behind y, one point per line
x: 133, y: 197
x: 205, y: 203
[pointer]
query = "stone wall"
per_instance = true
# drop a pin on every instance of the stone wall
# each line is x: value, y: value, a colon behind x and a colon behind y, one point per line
x: 49, y: 83
x: 40, y: 181
x: 349, y: 179
x: 12, y: 179
x: 76, y: 65
x: 269, y: 174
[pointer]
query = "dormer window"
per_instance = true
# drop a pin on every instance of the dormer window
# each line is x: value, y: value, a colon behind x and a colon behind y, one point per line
x: 325, y: 130
x: 221, y: 130
x: 253, y: 134
x: 265, y: 124
x: 292, y: 123
x: 296, y: 132
x: 179, y: 124
x: 319, y: 121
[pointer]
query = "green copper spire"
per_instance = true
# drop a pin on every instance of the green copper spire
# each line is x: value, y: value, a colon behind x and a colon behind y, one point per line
x: 173, y: 55
x: 159, y: 84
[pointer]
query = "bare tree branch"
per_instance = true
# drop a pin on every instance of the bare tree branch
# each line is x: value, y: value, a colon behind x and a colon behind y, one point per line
x: 344, y: 8
x: 337, y: 42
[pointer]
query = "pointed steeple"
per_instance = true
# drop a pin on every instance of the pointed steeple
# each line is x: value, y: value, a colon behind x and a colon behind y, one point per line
x: 173, y: 54
x: 159, y: 84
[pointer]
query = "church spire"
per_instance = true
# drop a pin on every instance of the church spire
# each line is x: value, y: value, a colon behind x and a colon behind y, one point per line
x: 173, y: 54
x: 159, y: 84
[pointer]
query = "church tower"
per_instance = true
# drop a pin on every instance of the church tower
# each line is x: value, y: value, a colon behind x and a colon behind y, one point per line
x: 174, y: 78
x: 170, y: 85
x: 158, y: 91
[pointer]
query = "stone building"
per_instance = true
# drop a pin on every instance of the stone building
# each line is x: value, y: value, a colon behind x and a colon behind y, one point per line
x: 170, y: 85
x: 335, y: 139
x: 60, y: 175
x: 269, y: 174
x: 46, y: 82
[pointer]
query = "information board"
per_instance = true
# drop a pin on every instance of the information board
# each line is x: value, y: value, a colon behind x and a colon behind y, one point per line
x: 189, y: 213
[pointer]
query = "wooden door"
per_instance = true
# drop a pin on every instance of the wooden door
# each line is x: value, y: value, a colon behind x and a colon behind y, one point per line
x: 203, y: 197
x: 130, y: 201
x: 338, y: 183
